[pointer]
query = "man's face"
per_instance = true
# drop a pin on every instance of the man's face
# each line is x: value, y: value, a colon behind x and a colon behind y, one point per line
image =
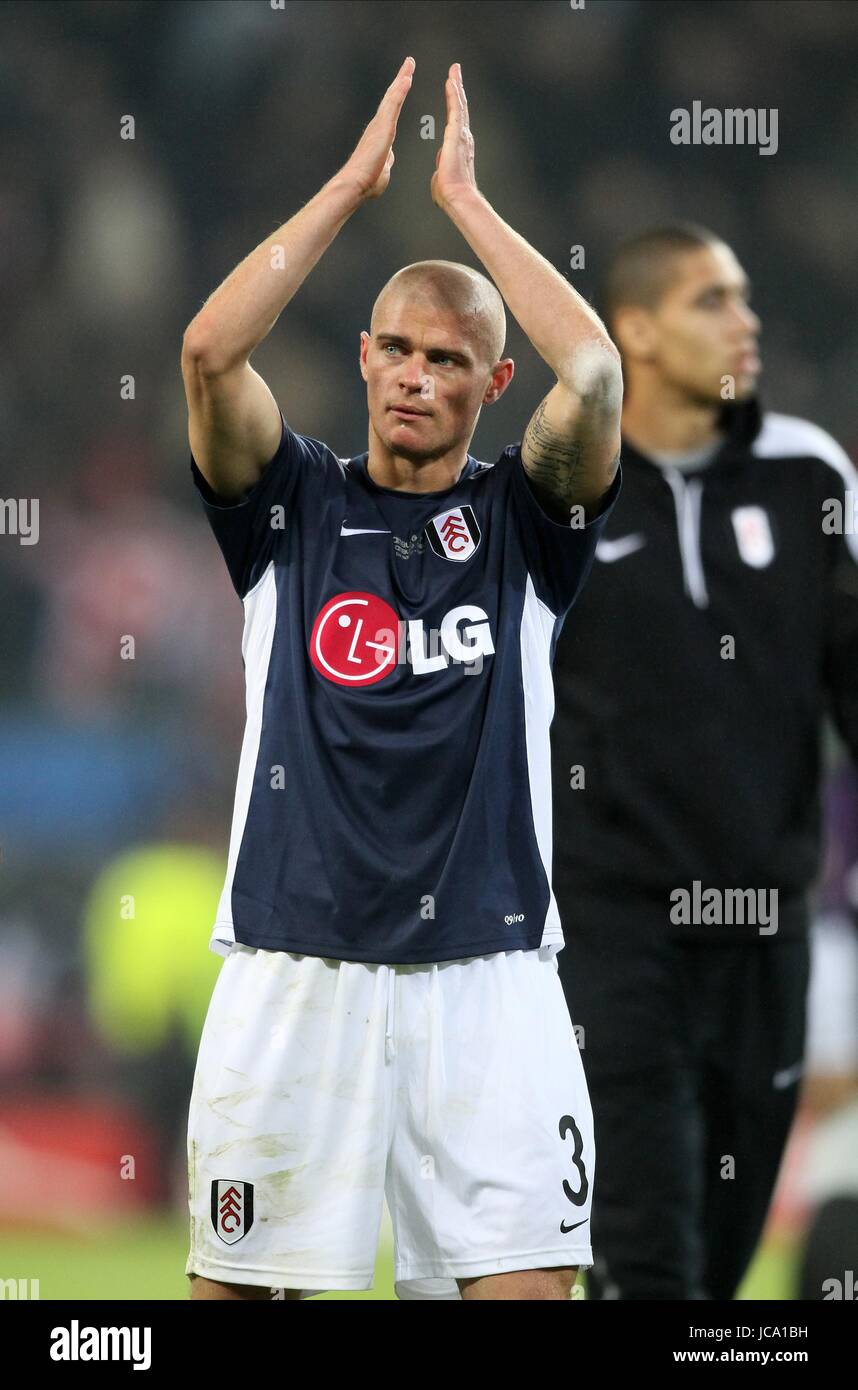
x: 426, y: 378
x: 704, y: 330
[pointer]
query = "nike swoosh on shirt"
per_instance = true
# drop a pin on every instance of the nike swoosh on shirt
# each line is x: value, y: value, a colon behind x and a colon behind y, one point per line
x: 566, y: 1229
x: 609, y: 551
x: 362, y: 531
x: 782, y: 1079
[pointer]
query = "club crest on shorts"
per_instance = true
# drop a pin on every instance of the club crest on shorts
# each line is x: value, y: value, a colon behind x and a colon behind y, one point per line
x: 455, y: 534
x: 232, y: 1208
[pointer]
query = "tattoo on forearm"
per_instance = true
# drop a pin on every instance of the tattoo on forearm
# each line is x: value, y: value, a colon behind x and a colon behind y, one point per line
x: 556, y: 464
x: 554, y: 461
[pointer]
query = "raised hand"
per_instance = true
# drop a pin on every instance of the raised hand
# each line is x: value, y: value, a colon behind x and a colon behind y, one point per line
x: 368, y: 168
x: 454, y: 163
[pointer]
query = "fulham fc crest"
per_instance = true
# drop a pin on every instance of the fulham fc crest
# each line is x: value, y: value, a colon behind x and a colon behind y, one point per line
x: 754, y: 536
x: 232, y: 1209
x: 454, y: 535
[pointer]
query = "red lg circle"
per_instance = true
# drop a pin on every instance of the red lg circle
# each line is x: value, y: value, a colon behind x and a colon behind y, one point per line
x: 355, y: 639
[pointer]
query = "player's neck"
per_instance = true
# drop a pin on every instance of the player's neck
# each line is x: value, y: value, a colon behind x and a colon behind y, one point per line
x: 387, y: 469
x: 663, y: 422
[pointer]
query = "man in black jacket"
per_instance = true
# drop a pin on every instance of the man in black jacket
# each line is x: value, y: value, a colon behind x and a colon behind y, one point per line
x: 721, y: 623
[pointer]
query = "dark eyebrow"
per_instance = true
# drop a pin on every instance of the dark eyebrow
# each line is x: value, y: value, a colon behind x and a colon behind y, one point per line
x: 457, y: 356
x: 744, y: 287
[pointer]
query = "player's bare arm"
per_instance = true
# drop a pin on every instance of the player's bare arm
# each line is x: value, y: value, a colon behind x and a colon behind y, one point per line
x: 234, y: 422
x: 571, y: 447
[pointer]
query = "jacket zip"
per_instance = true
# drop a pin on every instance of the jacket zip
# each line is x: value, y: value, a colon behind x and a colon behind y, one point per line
x: 687, y: 497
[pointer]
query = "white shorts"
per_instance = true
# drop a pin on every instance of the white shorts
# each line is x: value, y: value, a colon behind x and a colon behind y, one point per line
x: 456, y: 1090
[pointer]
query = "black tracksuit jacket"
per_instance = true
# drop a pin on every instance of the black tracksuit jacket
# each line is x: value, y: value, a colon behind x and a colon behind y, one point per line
x: 699, y: 764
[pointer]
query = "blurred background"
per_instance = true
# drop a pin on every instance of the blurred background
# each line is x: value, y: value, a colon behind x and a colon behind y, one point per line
x: 121, y: 683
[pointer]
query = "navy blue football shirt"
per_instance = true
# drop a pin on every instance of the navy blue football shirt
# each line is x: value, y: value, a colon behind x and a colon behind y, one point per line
x: 393, y: 801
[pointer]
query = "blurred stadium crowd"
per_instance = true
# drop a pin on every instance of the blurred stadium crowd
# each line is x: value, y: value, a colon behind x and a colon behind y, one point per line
x: 118, y: 771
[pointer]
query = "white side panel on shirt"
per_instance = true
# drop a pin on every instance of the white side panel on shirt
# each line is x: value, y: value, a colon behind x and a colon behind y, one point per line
x: 537, y: 627
x: 260, y: 620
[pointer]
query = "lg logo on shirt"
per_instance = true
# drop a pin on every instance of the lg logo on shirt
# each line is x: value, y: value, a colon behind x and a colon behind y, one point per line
x: 358, y: 639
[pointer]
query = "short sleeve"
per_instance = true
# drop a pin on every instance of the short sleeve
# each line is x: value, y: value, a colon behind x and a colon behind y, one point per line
x: 246, y: 529
x: 558, y: 556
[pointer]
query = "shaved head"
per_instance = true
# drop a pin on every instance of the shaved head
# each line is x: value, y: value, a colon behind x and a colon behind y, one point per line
x: 431, y: 360
x: 447, y: 285
x: 644, y: 267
